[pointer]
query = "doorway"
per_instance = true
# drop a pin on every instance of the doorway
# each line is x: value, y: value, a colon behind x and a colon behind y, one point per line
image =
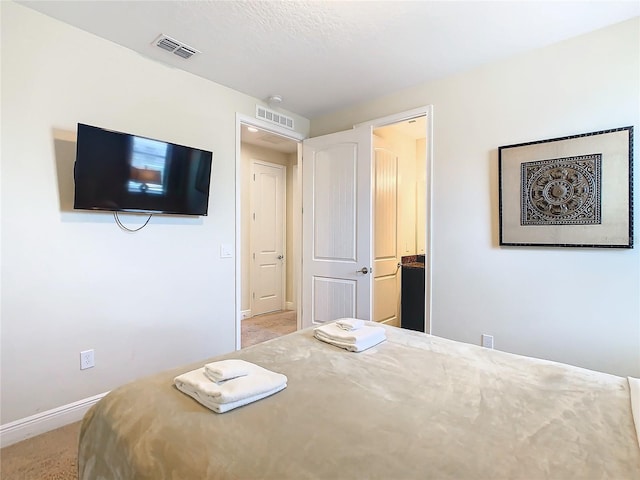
x: 268, y: 225
x: 266, y: 171
x: 342, y: 185
x: 422, y: 209
x: 399, y: 217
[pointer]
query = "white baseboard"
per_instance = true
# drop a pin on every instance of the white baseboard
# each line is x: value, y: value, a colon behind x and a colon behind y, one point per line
x: 287, y: 305
x: 28, y: 427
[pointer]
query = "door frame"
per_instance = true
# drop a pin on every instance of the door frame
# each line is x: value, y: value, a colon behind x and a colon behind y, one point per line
x: 283, y: 226
x: 427, y: 112
x: 242, y: 119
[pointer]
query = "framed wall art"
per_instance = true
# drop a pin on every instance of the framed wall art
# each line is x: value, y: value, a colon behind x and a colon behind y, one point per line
x: 574, y: 191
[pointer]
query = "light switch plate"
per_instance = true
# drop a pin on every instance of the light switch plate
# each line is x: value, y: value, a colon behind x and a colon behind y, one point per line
x: 226, y: 251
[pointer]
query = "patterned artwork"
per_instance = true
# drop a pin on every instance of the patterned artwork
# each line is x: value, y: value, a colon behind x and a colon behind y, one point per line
x: 562, y: 191
x: 572, y: 191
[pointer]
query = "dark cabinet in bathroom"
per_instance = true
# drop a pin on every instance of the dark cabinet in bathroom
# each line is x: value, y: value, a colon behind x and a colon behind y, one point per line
x: 412, y: 293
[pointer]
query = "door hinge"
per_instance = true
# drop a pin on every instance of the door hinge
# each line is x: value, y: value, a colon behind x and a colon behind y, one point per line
x: 254, y: 215
x: 254, y: 177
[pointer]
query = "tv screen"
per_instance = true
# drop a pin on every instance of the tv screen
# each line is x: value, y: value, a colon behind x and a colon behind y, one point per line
x: 121, y: 172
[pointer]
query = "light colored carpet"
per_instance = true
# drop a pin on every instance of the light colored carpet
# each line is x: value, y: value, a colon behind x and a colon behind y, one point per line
x: 50, y: 456
x: 53, y: 455
x: 265, y: 327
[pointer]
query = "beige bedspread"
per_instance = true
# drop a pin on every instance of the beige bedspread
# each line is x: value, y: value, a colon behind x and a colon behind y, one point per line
x: 415, y: 406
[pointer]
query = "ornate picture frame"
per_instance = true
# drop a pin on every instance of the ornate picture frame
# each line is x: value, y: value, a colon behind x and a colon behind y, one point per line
x: 574, y: 191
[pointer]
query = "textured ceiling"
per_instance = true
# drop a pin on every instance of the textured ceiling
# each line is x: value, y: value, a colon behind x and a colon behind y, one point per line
x: 325, y: 55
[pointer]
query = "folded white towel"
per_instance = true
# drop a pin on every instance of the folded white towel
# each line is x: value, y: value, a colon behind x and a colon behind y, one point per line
x: 225, y: 396
x: 227, y: 369
x: 331, y: 330
x: 225, y: 407
x: 352, y: 347
x: 354, y: 341
x: 350, y: 324
x: 211, y: 404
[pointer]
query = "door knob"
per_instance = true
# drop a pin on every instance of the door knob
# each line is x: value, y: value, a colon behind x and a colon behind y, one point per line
x: 280, y: 257
x: 363, y: 270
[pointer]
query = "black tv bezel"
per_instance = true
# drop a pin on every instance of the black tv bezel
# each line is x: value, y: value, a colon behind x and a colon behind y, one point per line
x: 142, y: 210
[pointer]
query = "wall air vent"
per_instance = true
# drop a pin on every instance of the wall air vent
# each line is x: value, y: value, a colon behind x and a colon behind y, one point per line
x: 272, y: 116
x: 174, y: 46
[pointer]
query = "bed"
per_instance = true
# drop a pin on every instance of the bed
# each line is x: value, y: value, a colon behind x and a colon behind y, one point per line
x: 415, y: 406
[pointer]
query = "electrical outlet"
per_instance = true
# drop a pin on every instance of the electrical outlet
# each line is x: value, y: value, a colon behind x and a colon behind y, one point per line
x: 87, y: 360
x: 487, y: 341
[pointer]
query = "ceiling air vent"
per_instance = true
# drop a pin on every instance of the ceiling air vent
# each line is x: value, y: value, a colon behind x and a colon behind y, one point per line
x: 174, y: 46
x: 272, y: 116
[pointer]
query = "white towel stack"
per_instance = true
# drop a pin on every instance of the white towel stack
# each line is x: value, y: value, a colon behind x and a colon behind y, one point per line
x: 228, y: 384
x: 358, y: 338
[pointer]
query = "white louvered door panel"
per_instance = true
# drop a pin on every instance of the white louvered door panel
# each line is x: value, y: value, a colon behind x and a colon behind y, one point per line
x: 385, y: 214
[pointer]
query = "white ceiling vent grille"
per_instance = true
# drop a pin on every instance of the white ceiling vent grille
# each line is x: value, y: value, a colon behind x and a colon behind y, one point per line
x: 272, y: 116
x: 174, y: 46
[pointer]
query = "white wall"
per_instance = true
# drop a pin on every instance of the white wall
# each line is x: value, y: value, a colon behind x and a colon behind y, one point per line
x: 291, y: 218
x: 72, y: 281
x: 579, y: 306
x: 421, y: 196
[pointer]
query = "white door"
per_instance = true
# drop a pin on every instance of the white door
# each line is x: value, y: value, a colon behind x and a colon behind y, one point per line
x: 336, y: 226
x: 267, y: 237
x: 386, y: 283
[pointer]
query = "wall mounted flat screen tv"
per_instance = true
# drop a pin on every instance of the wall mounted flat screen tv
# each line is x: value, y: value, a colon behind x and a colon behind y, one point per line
x: 122, y: 172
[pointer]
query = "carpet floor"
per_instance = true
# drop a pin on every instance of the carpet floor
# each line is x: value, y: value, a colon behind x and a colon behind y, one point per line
x: 53, y: 455
x: 50, y: 456
x: 261, y: 328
